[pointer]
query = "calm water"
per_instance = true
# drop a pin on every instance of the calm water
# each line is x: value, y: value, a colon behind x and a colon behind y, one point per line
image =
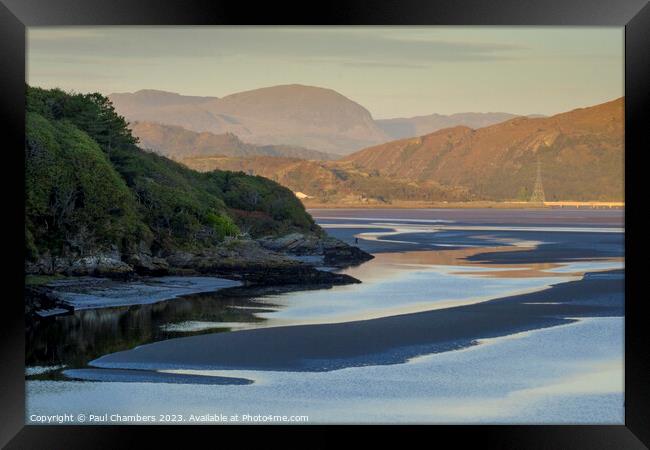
x: 552, y: 280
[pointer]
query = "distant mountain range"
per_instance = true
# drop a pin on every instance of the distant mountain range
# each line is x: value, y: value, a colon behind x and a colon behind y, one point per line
x: 421, y: 125
x: 304, y: 116
x: 176, y: 143
x: 294, y: 115
x: 580, y: 152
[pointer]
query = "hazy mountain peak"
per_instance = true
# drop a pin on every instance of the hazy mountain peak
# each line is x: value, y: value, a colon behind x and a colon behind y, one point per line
x: 289, y: 100
x: 155, y: 92
x: 292, y: 114
x: 285, y: 89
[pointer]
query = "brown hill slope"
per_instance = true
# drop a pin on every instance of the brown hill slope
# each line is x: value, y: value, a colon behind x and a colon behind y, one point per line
x: 330, y: 181
x: 580, y: 152
x: 581, y: 155
x: 176, y: 143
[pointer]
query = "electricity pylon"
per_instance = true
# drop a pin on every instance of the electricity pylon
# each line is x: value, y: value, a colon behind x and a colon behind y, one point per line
x: 538, y: 190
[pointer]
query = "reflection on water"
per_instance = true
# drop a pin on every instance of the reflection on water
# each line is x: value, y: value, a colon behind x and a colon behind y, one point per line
x: 393, y: 283
x: 78, y: 338
x: 461, y: 262
x: 541, y: 377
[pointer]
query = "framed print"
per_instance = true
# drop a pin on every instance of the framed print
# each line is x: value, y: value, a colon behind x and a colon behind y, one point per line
x: 399, y: 214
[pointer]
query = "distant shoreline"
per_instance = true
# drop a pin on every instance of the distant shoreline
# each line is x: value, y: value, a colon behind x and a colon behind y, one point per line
x: 466, y: 205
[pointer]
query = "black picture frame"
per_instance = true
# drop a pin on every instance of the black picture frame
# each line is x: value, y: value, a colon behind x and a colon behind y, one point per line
x: 15, y: 15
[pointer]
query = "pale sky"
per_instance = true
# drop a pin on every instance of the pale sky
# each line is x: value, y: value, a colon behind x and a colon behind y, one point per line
x: 392, y: 71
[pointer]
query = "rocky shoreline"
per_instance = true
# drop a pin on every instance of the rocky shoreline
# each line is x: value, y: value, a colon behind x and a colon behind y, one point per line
x: 333, y: 252
x: 294, y: 261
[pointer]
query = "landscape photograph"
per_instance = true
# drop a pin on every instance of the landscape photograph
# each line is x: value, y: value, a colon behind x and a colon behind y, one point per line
x: 324, y: 225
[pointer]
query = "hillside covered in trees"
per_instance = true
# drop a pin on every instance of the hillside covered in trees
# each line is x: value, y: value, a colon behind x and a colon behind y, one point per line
x: 90, y: 190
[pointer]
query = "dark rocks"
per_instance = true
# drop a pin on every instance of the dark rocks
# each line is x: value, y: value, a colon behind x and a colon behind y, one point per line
x: 47, y: 265
x: 250, y: 262
x: 332, y: 252
x: 107, y: 264
x: 145, y: 264
x: 339, y: 254
x: 100, y: 265
x: 287, y: 260
x: 300, y: 274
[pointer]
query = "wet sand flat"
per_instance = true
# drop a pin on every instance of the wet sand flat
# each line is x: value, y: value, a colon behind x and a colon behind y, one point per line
x: 387, y: 340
